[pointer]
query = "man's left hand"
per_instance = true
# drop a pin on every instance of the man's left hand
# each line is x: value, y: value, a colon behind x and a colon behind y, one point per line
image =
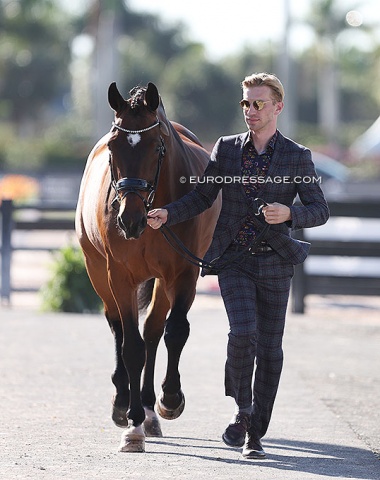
x: 275, y: 213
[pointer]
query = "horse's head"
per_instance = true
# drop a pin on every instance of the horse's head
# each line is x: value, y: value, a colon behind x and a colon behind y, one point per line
x: 136, y: 149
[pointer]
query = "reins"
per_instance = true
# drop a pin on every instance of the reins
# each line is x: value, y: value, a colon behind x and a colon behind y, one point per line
x: 176, y: 243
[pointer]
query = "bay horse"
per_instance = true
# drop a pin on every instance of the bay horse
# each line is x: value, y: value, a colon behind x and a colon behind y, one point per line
x: 144, y: 161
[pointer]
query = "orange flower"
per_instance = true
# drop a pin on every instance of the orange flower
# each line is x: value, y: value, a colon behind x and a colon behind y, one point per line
x: 18, y: 187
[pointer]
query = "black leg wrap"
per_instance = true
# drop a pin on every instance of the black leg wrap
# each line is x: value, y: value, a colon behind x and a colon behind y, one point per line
x: 176, y: 333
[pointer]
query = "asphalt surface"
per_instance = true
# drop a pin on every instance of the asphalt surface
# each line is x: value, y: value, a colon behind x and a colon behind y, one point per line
x: 55, y: 399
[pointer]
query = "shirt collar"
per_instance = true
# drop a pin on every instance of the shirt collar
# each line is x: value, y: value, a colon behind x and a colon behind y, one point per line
x: 271, y: 143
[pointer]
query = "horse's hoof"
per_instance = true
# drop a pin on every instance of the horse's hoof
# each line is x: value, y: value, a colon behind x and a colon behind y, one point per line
x: 167, y: 412
x: 119, y: 417
x: 151, y: 424
x: 132, y: 439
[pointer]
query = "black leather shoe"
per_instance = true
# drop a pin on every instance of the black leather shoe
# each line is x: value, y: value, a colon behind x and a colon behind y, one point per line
x: 253, y: 448
x: 235, y: 433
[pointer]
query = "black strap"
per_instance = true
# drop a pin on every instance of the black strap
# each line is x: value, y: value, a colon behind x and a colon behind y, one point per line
x: 182, y: 250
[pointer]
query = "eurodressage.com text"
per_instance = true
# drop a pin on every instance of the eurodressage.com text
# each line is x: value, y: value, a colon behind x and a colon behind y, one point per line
x: 245, y: 180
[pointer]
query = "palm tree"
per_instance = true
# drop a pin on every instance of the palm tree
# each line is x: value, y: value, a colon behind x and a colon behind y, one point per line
x: 328, y: 20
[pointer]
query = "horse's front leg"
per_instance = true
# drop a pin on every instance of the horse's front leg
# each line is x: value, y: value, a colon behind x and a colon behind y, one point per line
x: 133, y: 356
x: 120, y: 402
x: 171, y: 401
x: 97, y: 270
x: 133, y: 353
x: 153, y: 330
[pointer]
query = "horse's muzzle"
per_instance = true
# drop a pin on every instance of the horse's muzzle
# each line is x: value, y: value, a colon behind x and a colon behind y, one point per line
x: 132, y: 228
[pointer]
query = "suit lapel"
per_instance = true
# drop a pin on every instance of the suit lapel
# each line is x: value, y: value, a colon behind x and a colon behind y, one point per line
x: 275, y: 162
x: 274, y: 166
x: 240, y: 141
x: 238, y: 153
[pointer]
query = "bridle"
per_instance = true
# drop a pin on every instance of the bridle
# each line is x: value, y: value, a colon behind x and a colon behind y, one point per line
x: 126, y: 185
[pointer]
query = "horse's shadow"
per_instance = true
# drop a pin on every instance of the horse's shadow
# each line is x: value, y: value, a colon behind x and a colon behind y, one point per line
x: 309, y: 457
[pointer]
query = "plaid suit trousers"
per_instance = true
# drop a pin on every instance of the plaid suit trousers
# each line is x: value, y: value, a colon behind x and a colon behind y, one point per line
x: 255, y: 291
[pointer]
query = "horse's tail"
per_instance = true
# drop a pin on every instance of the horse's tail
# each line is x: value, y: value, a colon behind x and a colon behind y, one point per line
x: 144, y: 294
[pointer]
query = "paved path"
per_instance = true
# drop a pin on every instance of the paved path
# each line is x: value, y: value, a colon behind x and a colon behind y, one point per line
x: 55, y: 393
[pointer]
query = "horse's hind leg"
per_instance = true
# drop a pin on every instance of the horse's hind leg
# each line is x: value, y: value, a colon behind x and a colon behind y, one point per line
x: 153, y: 330
x: 171, y: 401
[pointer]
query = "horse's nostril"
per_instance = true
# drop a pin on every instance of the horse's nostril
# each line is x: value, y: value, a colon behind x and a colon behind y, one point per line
x: 131, y: 228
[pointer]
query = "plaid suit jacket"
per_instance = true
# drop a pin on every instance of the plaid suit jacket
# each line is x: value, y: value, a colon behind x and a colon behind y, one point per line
x: 290, y: 173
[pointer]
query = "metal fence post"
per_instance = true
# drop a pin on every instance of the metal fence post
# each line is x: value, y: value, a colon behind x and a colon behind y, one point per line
x: 6, y: 249
x: 299, y: 283
x: 298, y: 289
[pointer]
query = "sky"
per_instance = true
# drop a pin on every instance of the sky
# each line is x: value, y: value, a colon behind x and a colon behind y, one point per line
x: 224, y: 28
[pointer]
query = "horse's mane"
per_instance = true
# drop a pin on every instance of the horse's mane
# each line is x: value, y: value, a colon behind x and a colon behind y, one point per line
x: 137, y: 96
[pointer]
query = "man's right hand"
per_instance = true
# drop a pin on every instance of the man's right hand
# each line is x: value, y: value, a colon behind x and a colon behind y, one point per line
x: 157, y: 217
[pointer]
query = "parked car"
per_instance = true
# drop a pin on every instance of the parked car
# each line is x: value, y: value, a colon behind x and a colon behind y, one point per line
x: 339, y: 184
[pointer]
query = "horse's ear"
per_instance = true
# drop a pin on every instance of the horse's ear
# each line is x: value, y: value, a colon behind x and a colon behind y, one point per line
x: 152, y: 99
x: 115, y: 100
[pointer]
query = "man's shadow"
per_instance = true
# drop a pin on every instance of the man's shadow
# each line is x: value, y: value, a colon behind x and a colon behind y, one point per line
x: 323, y: 459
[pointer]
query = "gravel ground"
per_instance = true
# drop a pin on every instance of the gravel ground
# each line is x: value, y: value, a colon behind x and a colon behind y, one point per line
x: 55, y: 394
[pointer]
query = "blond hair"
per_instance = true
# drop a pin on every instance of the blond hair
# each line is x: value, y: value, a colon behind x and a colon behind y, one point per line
x: 265, y: 79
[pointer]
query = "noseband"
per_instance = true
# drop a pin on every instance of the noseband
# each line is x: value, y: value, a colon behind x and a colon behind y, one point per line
x: 127, y: 185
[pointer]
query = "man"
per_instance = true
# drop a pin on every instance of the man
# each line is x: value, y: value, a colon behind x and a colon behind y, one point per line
x: 260, y: 163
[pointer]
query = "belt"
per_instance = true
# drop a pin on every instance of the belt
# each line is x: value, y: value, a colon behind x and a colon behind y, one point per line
x: 263, y: 248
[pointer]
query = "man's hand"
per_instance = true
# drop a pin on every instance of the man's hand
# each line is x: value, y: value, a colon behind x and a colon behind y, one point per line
x: 157, y: 217
x: 275, y: 213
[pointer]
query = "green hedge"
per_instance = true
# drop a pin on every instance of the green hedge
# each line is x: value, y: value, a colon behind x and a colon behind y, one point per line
x: 69, y: 289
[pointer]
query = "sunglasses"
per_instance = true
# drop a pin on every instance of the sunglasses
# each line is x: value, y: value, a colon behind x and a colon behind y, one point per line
x: 257, y: 104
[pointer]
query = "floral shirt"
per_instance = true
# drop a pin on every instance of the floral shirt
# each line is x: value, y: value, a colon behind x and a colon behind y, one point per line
x: 253, y: 165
